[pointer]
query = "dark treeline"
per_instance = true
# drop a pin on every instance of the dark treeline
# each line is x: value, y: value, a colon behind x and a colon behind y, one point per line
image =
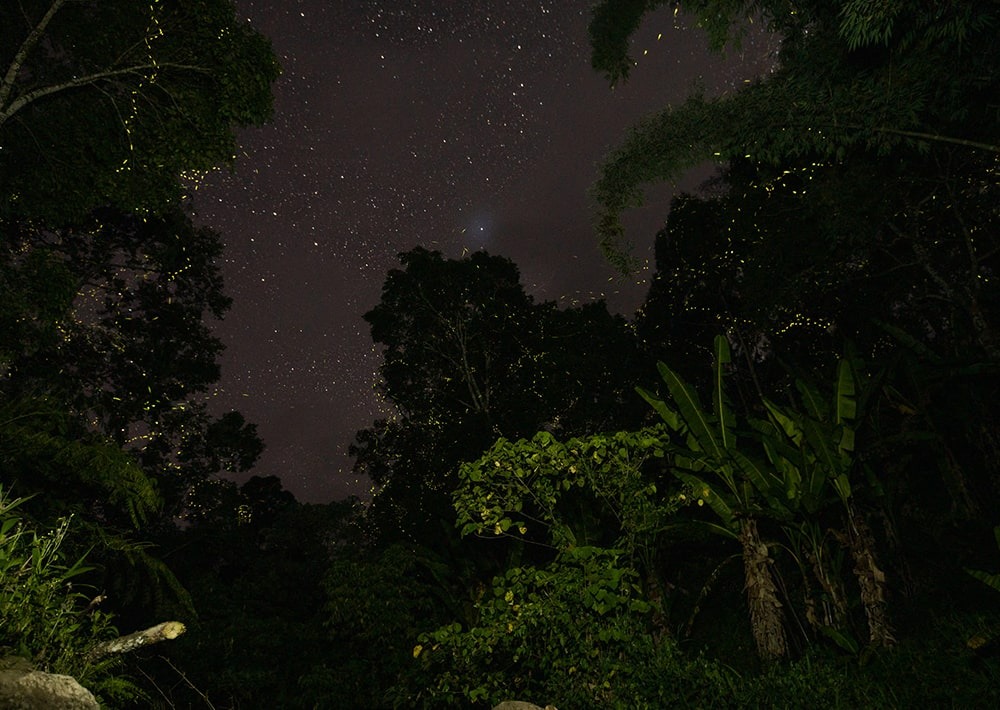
x: 776, y: 485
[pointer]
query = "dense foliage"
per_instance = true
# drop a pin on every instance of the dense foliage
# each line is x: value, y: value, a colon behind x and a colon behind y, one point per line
x: 776, y: 487
x: 107, y: 109
x: 469, y: 357
x: 43, y: 616
x: 113, y: 101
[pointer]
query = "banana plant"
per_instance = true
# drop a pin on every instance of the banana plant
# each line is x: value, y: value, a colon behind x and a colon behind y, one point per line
x: 711, y: 464
x: 815, y: 449
x: 800, y: 490
x: 825, y: 437
x: 795, y: 468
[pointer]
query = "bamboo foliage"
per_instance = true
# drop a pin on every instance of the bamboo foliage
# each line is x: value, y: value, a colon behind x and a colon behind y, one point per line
x: 814, y: 102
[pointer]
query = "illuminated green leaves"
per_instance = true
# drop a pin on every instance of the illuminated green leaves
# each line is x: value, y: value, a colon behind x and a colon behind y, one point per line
x: 516, y: 487
x: 580, y: 617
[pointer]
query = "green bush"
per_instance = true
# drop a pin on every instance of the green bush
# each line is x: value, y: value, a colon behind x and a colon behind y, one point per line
x: 44, y: 617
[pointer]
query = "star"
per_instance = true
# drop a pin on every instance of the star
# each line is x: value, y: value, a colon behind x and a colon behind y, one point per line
x: 395, y: 121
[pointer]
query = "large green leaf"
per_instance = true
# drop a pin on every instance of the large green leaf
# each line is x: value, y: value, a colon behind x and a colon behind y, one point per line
x: 715, y: 501
x: 789, y: 423
x: 992, y: 580
x: 812, y: 400
x: 723, y: 413
x: 692, y: 412
x: 668, y: 415
x: 842, y: 485
x: 845, y: 443
x: 810, y: 463
x: 787, y: 470
x: 763, y: 478
x: 820, y: 443
x: 844, y: 640
x: 847, y: 407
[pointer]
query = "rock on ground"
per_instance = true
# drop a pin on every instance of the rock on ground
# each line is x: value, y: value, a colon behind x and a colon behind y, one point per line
x: 23, y: 688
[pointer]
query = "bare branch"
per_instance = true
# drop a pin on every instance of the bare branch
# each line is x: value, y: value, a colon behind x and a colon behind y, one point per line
x: 188, y: 682
x: 934, y: 137
x: 26, y: 46
x: 166, y: 631
x: 32, y: 96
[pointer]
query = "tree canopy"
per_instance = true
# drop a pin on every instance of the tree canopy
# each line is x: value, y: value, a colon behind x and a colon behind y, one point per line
x: 108, y: 109
x: 849, y: 79
x: 800, y: 511
x: 131, y: 353
x: 116, y: 102
x: 469, y: 357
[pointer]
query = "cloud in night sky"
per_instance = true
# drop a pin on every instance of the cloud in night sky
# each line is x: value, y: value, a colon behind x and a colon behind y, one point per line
x: 475, y: 124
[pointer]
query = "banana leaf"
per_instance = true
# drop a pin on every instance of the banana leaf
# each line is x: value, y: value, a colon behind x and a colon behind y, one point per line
x: 723, y: 413
x: 668, y: 415
x: 846, y: 405
x: 715, y: 501
x: 692, y: 412
x: 766, y: 482
x: 812, y: 400
x: 790, y: 424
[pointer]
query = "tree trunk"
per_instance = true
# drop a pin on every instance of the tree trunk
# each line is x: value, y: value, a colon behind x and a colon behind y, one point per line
x: 762, y: 594
x: 871, y: 580
x: 834, y: 606
x: 654, y: 593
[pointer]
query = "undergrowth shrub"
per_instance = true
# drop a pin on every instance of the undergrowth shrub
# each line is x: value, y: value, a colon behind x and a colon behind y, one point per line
x: 44, y: 616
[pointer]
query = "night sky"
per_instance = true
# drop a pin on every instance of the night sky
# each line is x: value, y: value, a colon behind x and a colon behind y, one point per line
x: 454, y: 125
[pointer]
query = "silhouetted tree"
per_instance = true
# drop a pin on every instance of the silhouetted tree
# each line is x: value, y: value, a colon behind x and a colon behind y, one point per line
x: 132, y: 356
x: 907, y: 79
x: 469, y: 357
x: 113, y: 101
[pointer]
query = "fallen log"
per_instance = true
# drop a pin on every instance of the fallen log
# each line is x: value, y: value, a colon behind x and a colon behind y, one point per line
x: 166, y: 631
